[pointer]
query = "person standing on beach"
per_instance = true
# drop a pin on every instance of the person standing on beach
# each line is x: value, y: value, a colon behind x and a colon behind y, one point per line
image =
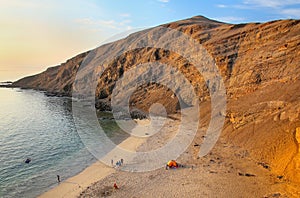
x: 122, y: 161
x: 115, y: 186
x: 58, y: 178
x: 112, y: 162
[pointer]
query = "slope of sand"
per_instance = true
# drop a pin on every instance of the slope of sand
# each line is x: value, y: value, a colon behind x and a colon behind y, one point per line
x: 227, y: 171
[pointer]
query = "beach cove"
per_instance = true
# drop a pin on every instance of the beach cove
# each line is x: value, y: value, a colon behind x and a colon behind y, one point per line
x: 226, y: 170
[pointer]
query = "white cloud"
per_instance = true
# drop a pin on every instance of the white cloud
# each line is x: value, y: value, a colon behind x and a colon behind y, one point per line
x: 279, y: 7
x: 271, y: 3
x: 230, y: 19
x: 101, y: 25
x: 291, y: 12
x: 125, y: 15
x: 222, y: 6
x: 164, y: 1
x: 252, y: 4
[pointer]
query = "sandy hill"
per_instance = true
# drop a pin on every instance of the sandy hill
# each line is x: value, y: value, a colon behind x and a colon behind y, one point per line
x: 259, y: 63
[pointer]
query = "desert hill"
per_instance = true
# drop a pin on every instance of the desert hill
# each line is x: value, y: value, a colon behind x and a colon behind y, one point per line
x: 259, y: 64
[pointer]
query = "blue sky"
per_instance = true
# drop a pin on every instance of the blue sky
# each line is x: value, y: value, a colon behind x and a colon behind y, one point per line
x: 36, y: 34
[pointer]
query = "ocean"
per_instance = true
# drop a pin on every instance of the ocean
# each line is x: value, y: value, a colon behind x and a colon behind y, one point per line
x: 41, y: 128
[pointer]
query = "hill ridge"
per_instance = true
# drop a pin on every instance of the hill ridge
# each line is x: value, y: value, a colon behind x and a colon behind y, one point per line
x: 259, y: 63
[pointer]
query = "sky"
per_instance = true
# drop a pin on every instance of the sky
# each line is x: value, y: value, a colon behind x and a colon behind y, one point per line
x: 36, y: 34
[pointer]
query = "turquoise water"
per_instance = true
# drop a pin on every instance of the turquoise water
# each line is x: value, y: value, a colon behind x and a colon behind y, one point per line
x: 41, y: 128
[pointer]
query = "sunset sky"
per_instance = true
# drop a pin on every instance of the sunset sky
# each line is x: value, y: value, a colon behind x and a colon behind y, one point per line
x: 36, y: 34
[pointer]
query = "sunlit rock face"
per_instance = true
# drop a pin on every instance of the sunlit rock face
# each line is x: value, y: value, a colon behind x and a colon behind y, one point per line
x: 258, y: 62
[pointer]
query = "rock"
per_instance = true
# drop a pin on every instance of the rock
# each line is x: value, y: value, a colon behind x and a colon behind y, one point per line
x: 232, y: 120
x: 28, y: 160
x: 264, y: 165
x: 293, y: 116
x: 138, y: 114
x: 102, y: 105
x: 277, y: 194
x: 279, y: 176
x: 246, y: 174
x: 276, y: 118
x: 212, y: 161
x: 283, y: 116
x: 232, y: 48
x: 249, y: 175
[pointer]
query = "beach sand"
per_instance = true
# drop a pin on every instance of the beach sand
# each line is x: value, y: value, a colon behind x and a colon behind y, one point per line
x: 73, y: 186
x: 227, y: 171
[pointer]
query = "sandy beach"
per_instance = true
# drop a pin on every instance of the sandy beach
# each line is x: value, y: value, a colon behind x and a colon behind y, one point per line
x: 227, y: 171
x: 73, y: 186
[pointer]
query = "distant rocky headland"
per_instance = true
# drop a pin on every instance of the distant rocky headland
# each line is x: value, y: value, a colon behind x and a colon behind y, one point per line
x: 259, y: 63
x: 6, y: 84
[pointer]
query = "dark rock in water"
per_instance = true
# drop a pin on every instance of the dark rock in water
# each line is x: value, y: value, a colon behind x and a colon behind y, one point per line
x: 56, y: 94
x: 138, y: 114
x: 49, y: 94
x: 7, y: 84
x: 28, y: 160
x: 103, y: 105
x: 121, y: 114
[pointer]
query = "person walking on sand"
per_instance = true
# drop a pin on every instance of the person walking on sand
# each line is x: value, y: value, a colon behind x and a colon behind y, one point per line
x: 58, y: 178
x: 112, y: 162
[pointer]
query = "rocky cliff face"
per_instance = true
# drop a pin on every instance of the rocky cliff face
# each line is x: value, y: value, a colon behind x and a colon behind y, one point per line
x: 259, y: 64
x: 55, y: 80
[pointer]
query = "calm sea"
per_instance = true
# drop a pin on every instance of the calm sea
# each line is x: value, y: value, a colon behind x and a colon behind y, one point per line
x: 35, y: 126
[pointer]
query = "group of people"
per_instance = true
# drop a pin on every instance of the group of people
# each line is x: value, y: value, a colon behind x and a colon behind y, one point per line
x: 118, y: 163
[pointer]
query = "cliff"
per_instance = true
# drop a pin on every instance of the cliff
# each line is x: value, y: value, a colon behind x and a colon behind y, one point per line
x: 55, y: 80
x: 259, y: 63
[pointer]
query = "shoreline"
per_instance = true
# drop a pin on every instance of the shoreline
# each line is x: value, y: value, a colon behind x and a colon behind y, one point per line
x: 73, y: 186
x: 227, y: 170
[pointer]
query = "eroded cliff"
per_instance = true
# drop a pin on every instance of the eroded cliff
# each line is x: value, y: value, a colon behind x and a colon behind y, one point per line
x: 259, y: 64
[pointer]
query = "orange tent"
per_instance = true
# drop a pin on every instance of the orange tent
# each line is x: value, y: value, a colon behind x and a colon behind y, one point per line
x: 172, y: 163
